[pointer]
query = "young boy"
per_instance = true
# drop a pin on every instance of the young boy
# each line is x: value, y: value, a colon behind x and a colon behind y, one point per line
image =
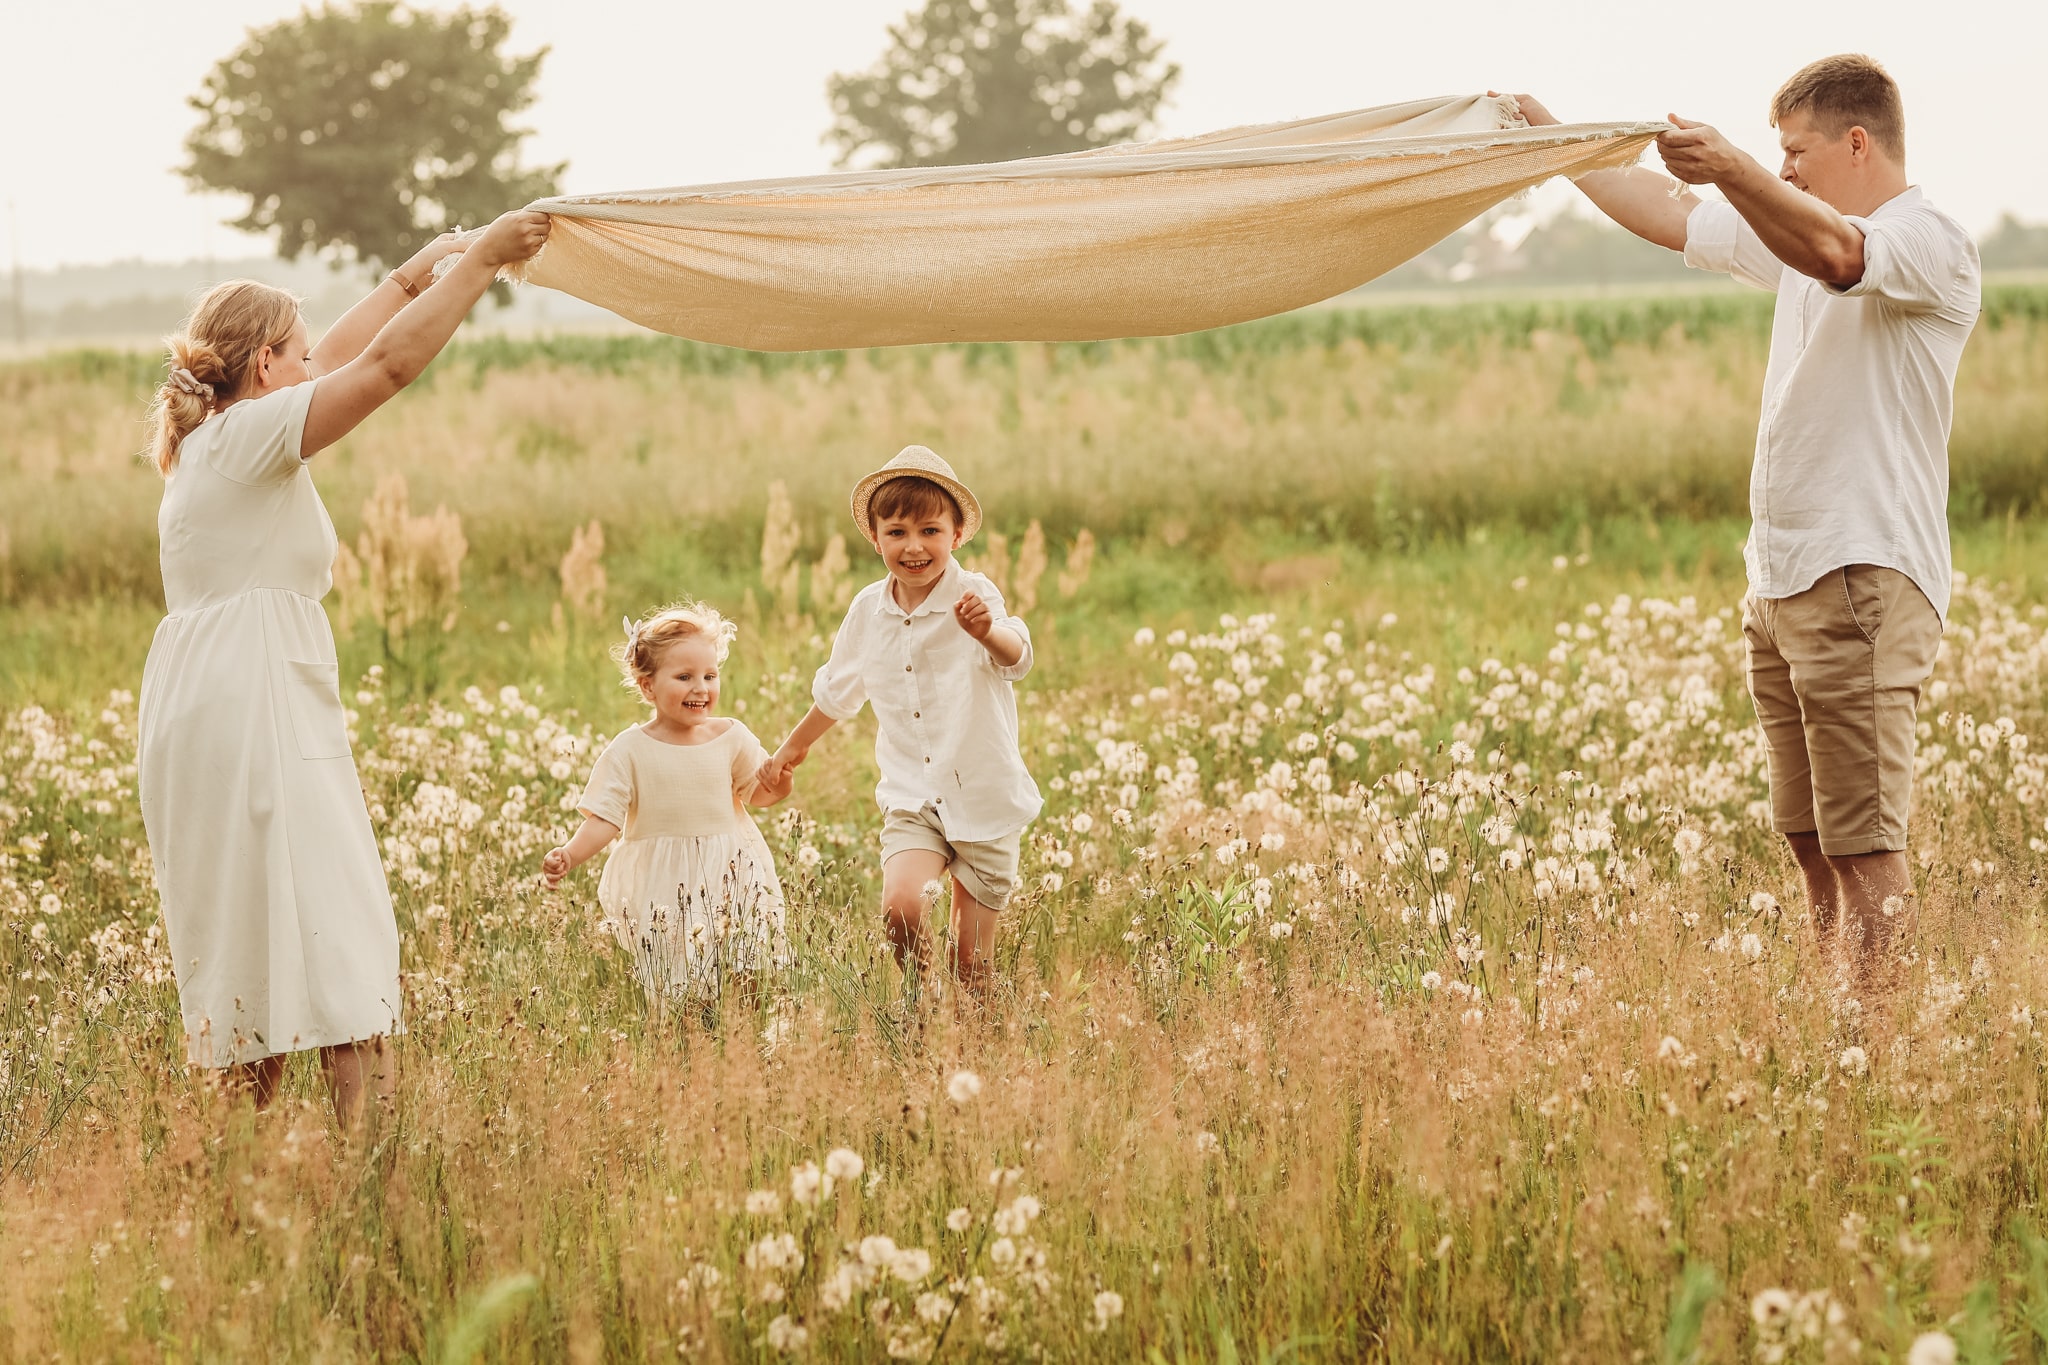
x: 932, y: 649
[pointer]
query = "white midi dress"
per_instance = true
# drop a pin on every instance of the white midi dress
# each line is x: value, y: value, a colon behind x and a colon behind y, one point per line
x: 275, y: 906
x: 690, y: 889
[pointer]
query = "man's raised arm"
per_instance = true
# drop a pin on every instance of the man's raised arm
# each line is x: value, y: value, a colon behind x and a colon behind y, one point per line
x: 1654, y: 207
x: 1796, y: 227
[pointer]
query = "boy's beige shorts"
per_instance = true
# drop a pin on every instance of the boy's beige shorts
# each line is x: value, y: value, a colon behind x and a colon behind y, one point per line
x: 1836, y: 673
x: 987, y: 868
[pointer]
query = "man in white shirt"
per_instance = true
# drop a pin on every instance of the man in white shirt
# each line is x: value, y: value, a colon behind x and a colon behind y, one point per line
x: 1848, y: 552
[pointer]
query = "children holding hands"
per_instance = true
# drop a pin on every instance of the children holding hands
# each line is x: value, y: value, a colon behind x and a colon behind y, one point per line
x: 933, y: 650
x: 691, y: 889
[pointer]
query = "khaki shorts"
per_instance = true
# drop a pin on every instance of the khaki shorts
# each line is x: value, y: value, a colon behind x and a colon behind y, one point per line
x: 987, y: 868
x: 1836, y: 673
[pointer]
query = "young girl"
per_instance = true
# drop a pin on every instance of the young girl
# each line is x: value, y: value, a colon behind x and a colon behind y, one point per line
x: 691, y: 890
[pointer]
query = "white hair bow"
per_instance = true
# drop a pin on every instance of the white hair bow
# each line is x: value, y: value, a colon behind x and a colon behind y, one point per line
x: 632, y: 629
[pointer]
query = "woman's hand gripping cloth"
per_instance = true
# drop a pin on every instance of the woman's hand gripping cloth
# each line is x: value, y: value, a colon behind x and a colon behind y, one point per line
x: 1142, y: 239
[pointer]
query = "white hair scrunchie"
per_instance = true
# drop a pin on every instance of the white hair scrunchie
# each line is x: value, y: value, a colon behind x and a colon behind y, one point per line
x: 184, y: 381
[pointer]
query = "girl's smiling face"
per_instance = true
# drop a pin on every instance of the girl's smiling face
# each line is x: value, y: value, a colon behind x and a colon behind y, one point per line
x: 684, y: 688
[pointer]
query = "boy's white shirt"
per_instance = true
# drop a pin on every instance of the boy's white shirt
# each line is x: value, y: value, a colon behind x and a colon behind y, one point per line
x: 947, y: 716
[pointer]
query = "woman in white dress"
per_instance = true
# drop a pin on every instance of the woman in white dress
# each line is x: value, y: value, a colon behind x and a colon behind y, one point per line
x: 274, y: 901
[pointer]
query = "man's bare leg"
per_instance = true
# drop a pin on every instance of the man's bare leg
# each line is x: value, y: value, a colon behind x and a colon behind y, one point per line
x: 355, y: 1070
x: 1823, y: 890
x: 1877, y: 890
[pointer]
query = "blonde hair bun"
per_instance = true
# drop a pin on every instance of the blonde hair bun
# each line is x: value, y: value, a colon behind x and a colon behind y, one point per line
x: 209, y: 358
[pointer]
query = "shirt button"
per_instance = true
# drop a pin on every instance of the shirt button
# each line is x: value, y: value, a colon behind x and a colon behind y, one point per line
x: 917, y: 715
x: 906, y: 668
x: 927, y: 758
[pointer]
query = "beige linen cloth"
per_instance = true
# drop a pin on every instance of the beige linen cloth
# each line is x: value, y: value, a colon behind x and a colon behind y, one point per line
x: 1144, y: 239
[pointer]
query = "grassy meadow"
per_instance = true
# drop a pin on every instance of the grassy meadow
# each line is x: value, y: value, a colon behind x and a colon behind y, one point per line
x: 1406, y: 970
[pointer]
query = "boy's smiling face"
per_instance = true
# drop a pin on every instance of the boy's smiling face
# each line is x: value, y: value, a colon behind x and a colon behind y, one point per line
x: 917, y: 549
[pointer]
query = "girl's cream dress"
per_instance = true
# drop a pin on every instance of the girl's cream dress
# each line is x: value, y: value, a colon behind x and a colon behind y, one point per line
x: 690, y: 888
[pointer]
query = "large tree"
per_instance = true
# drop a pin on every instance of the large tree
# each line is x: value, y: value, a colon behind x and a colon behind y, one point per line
x: 366, y: 130
x: 967, y: 81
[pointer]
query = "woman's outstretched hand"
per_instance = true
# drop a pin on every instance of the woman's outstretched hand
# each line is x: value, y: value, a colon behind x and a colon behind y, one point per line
x: 514, y: 236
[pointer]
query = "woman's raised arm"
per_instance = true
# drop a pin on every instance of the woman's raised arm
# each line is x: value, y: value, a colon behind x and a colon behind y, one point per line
x: 353, y: 331
x: 409, y: 341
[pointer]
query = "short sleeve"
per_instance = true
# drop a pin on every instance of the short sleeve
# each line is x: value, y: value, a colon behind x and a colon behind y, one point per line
x: 259, y: 439
x: 748, y: 754
x: 838, y: 689
x: 609, y: 794
x: 999, y: 615
x: 1717, y: 239
x: 1917, y: 261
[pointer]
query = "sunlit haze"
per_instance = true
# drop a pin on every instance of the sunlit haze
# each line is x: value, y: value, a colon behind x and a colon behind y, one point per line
x: 635, y: 95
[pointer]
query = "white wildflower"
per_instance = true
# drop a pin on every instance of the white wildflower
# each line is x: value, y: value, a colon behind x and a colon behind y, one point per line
x: 963, y: 1087
x: 1932, y: 1348
x: 1771, y: 1310
x: 787, y: 1335
x: 807, y: 1184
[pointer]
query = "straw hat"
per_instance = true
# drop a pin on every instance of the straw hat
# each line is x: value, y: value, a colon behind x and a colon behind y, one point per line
x: 924, y: 464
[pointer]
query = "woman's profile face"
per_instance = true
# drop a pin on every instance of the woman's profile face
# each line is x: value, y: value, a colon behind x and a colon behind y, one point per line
x: 283, y: 366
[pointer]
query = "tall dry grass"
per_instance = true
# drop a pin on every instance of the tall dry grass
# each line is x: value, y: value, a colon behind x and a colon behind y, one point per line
x: 1364, y: 1005
x: 1537, y: 421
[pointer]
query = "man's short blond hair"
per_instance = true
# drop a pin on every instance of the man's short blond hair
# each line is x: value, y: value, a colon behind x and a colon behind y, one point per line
x: 1849, y: 91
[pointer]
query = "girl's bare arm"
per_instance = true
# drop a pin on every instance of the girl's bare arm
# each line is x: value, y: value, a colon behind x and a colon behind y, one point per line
x: 588, y: 840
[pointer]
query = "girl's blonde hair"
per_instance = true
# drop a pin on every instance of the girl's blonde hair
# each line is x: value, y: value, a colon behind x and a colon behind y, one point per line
x: 639, y: 654
x: 210, y: 356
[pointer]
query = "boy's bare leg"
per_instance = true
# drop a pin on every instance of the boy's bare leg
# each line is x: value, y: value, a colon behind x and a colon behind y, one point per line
x: 356, y: 1069
x: 906, y: 903
x: 974, y: 940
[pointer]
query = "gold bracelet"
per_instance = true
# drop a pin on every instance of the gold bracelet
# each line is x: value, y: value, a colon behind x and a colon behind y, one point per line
x: 412, y: 291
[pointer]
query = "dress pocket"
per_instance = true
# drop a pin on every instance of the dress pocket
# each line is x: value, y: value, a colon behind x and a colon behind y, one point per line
x: 313, y: 691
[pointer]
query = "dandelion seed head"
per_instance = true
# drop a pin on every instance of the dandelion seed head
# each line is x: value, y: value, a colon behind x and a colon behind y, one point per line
x: 1932, y: 1348
x: 963, y: 1087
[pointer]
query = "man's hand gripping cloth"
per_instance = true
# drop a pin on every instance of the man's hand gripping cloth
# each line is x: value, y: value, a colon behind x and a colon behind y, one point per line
x: 1143, y: 239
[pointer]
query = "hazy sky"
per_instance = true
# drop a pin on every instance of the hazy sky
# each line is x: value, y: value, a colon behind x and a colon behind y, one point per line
x: 640, y: 93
